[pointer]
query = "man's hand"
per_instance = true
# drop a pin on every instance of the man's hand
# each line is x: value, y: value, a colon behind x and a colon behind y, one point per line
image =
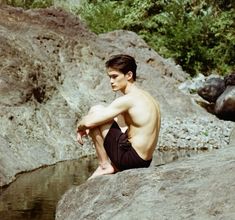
x: 80, y: 134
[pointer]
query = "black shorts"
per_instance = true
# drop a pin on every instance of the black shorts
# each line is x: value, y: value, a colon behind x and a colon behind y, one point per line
x: 120, y: 150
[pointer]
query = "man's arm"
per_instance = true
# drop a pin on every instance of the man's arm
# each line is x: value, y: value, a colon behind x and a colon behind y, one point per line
x: 108, y: 113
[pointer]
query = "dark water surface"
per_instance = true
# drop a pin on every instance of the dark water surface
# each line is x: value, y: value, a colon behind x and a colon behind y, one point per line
x: 34, y: 195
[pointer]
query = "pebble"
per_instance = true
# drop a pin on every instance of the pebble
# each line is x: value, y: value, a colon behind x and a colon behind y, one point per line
x: 194, y: 133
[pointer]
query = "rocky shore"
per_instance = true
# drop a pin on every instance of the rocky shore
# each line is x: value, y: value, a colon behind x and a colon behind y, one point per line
x: 51, y: 72
x: 195, y: 132
x: 200, y: 187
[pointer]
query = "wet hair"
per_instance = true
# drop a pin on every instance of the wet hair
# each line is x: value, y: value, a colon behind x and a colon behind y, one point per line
x: 122, y: 63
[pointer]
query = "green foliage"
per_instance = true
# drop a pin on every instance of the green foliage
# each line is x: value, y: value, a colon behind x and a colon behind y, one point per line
x: 93, y: 14
x: 198, y: 34
x: 30, y: 3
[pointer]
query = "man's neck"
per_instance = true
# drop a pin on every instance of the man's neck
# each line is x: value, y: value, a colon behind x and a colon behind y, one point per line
x: 130, y: 87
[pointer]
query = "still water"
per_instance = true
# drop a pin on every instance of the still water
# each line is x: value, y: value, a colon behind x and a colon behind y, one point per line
x: 34, y: 195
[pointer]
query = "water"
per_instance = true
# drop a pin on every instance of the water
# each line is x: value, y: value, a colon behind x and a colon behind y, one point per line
x: 34, y: 195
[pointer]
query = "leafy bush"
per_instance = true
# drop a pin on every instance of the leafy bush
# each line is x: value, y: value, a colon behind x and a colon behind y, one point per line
x: 198, y: 34
x: 30, y: 3
x: 93, y: 14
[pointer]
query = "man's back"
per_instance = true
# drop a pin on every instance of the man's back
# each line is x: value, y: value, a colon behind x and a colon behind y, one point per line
x: 143, y: 121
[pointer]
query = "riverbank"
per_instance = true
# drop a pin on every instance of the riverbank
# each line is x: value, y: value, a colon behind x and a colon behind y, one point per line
x: 63, y: 75
x: 200, y: 187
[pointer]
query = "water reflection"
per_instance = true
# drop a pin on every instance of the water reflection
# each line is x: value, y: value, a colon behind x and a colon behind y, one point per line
x: 34, y: 195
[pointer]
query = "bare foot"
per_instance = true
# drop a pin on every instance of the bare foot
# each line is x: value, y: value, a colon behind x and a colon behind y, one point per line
x: 103, y: 169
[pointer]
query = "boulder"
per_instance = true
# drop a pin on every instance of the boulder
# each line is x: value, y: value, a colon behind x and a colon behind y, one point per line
x: 220, y: 93
x: 51, y: 71
x: 212, y: 88
x: 230, y: 79
x: 38, y: 118
x: 201, y: 187
x: 225, y: 104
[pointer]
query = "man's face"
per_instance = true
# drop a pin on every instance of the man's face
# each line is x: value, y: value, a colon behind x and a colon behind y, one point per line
x: 118, y: 80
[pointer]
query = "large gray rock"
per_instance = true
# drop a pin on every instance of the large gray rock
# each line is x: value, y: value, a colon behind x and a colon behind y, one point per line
x: 225, y: 104
x: 201, y: 187
x: 220, y: 93
x: 230, y: 79
x: 212, y: 89
x: 52, y: 70
x: 38, y: 51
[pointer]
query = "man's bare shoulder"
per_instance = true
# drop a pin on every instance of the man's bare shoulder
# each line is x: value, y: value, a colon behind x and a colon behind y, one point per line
x: 136, y: 98
x: 122, y: 103
x: 141, y: 95
x: 123, y: 99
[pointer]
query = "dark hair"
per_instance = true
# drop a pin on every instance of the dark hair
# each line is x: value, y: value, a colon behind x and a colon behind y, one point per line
x: 123, y: 63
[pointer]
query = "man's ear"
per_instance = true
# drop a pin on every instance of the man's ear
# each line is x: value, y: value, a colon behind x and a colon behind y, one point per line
x: 129, y: 75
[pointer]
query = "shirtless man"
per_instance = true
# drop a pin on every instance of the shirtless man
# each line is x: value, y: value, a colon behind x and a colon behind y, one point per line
x: 124, y: 133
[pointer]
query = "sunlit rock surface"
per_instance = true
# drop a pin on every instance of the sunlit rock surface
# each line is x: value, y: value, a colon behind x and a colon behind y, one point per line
x: 40, y: 95
x: 51, y: 72
x: 201, y: 187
